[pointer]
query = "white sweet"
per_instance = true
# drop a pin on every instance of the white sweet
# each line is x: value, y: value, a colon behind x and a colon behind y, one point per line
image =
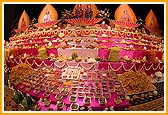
x: 158, y: 74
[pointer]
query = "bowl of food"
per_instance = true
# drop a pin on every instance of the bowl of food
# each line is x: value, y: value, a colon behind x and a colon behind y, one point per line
x: 116, y: 83
x: 47, y: 102
x: 98, y: 96
x: 59, y: 97
x: 92, y: 90
x: 28, y: 89
x: 46, y: 94
x: 102, y: 100
x: 119, y: 93
x: 36, y: 91
x: 87, y: 100
x: 60, y: 105
x: 66, y: 89
x: 80, y: 90
x: 118, y: 89
x: 117, y: 101
x: 55, y: 91
x: 64, y: 93
x: 72, y: 99
x: 81, y: 94
x: 37, y: 108
x: 42, y: 88
x: 74, y: 106
x: 107, y: 96
x: 105, y: 89
x: 86, y: 90
x: 99, y: 91
x: 90, y: 95
x: 73, y: 89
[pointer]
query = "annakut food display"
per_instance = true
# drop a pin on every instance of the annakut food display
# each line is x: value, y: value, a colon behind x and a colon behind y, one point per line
x: 81, y: 63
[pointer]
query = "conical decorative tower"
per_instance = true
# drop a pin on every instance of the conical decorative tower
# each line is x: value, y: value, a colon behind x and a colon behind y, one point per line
x: 48, y: 14
x: 125, y: 13
x: 24, y: 20
x: 151, y: 22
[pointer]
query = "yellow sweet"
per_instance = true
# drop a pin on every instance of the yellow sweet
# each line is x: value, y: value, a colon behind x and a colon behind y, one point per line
x: 114, y: 54
x: 42, y: 53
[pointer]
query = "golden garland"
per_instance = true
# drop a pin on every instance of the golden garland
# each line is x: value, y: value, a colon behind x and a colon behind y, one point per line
x: 37, y: 63
x: 86, y: 32
x: 162, y: 67
x: 29, y: 63
x: 11, y: 60
x: 78, y: 32
x: 47, y: 65
x: 73, y: 63
x: 113, y: 33
x: 156, y: 67
x: 60, y: 66
x: 121, y: 33
x: 104, y: 31
x: 128, y: 34
x: 115, y: 69
x: 129, y: 68
x: 142, y: 67
x: 95, y: 31
x: 92, y: 66
x: 149, y: 67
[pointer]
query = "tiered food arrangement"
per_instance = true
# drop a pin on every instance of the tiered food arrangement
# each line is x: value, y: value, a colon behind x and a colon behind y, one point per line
x: 84, y: 65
